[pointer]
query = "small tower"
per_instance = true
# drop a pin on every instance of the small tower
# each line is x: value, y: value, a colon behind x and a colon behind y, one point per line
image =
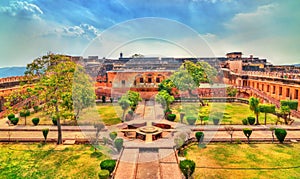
x: 121, y: 55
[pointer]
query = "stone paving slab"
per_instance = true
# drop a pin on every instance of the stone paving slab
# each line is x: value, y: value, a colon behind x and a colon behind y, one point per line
x: 170, y: 170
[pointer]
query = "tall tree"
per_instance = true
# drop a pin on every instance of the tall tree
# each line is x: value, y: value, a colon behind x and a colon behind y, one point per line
x: 83, y: 93
x: 266, y: 108
x: 54, y: 86
x: 164, y: 98
x: 254, y: 106
x: 125, y: 103
x: 167, y: 85
x: 134, y: 98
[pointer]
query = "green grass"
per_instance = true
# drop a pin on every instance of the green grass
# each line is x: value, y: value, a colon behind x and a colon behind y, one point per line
x: 49, y: 161
x: 110, y: 114
x: 233, y: 113
x: 254, y: 156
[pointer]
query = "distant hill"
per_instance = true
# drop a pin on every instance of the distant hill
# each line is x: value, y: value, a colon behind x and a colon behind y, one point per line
x: 12, y: 71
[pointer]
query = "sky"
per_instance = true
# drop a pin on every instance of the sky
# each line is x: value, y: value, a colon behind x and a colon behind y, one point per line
x: 263, y: 28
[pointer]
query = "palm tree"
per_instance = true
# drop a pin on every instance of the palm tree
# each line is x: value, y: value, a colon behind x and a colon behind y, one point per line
x: 124, y: 102
x: 254, y: 106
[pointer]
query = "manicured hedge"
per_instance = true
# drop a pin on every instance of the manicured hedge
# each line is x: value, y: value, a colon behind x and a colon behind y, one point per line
x: 187, y: 167
x: 36, y: 121
x: 191, y: 120
x: 14, y: 121
x: 119, y: 144
x: 108, y: 165
x: 199, y: 136
x: 280, y: 134
x: 113, y: 135
x: 10, y: 116
x: 293, y: 104
x: 171, y: 117
x: 251, y: 120
x: 103, y: 174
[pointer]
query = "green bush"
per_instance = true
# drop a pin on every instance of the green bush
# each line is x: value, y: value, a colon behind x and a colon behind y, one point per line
x: 36, y: 121
x: 108, y: 165
x: 111, y: 100
x: 187, y: 167
x: 199, y: 136
x: 119, y: 144
x: 103, y: 99
x: 191, y: 120
x: 130, y: 112
x: 216, y: 121
x: 280, y: 134
x: 251, y: 120
x: 293, y: 104
x: 10, y: 116
x: 247, y: 132
x: 113, y: 135
x: 45, y: 133
x: 171, y: 117
x: 14, y: 121
x: 103, y: 174
x: 245, y: 122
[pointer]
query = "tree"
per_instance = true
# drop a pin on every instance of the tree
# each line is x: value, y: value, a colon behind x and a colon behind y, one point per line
x: 124, y: 102
x: 285, y: 110
x: 54, y: 86
x: 280, y: 134
x: 253, y: 104
x: 164, y: 98
x: 229, y: 131
x: 266, y: 108
x: 45, y: 133
x: 167, y: 85
x: 134, y: 98
x: 247, y: 133
x: 25, y: 114
x: 187, y: 167
x: 292, y: 104
x: 83, y: 93
x: 231, y: 91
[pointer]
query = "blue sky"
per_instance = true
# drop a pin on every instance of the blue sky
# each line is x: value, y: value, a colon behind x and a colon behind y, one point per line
x: 264, y: 28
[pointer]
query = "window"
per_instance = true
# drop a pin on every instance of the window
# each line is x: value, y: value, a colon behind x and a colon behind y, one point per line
x: 288, y: 92
x: 157, y: 80
x: 262, y: 87
x: 280, y: 90
x: 268, y: 88
x: 123, y: 82
x: 149, y: 80
x: 141, y: 80
x: 296, y: 94
x: 274, y: 89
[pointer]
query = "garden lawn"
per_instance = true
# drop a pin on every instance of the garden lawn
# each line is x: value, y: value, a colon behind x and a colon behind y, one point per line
x: 49, y: 161
x: 110, y: 114
x: 243, y: 156
x: 233, y: 113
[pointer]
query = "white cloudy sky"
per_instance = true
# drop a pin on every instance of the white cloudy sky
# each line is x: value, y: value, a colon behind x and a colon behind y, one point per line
x: 264, y: 28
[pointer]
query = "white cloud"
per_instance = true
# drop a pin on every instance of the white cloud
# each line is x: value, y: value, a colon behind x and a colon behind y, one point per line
x: 85, y: 31
x: 22, y: 9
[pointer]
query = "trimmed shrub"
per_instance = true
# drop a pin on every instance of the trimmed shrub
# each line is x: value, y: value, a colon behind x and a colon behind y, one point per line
x: 45, y: 133
x: 113, y: 135
x: 247, y: 132
x: 10, y: 116
x: 191, y: 120
x: 130, y: 112
x: 108, y: 165
x: 216, y: 121
x: 280, y: 134
x: 103, y: 174
x: 245, y: 122
x: 103, y: 99
x: 36, y: 121
x: 187, y: 167
x: 14, y: 121
x: 171, y: 117
x: 119, y: 144
x: 251, y: 120
x: 111, y: 100
x: 199, y: 136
